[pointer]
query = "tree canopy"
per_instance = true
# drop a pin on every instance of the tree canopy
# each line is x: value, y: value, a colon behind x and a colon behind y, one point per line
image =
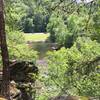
x: 74, y: 25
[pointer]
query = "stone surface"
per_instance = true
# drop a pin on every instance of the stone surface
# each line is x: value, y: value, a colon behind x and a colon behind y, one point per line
x: 20, y: 71
x: 22, y: 77
x: 1, y: 98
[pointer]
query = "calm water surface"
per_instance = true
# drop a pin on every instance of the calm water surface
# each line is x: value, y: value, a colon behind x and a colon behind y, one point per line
x: 43, y: 48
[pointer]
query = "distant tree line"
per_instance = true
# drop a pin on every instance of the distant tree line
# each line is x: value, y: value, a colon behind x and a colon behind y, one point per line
x: 64, y: 20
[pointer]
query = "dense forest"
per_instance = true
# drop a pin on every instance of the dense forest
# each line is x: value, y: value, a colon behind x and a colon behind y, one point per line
x: 73, y: 67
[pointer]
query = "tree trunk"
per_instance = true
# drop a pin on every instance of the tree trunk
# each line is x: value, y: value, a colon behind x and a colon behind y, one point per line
x: 5, y: 56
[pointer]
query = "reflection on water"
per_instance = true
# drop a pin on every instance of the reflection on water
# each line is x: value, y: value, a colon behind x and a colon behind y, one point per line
x: 43, y: 47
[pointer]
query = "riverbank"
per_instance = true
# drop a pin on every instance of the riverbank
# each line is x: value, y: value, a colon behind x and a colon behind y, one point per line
x: 35, y: 37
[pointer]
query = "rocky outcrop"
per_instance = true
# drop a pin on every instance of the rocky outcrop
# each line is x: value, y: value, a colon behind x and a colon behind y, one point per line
x: 21, y: 71
x: 2, y: 98
x: 22, y: 76
x: 15, y: 93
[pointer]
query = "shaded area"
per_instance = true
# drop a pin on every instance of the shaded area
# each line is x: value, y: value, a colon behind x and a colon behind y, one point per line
x: 23, y: 75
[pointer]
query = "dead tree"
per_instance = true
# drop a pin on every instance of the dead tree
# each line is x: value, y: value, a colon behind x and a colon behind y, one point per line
x: 5, y: 56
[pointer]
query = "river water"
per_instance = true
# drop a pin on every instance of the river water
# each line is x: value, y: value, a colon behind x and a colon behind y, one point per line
x: 43, y: 47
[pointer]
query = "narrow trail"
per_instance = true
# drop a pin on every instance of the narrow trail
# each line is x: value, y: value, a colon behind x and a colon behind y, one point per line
x: 41, y: 62
x: 43, y: 70
x: 43, y: 67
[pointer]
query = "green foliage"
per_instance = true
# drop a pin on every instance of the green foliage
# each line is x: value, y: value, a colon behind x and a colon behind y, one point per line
x: 96, y: 24
x: 76, y: 23
x: 56, y: 27
x: 76, y: 26
x: 15, y: 36
x: 36, y: 17
x: 76, y: 72
x: 22, y: 52
x: 58, y: 31
x: 27, y: 25
x: 15, y: 10
x: 18, y: 49
x: 43, y: 97
x: 66, y: 24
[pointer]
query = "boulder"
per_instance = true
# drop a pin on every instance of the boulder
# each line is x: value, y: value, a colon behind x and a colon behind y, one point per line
x: 20, y: 71
x: 22, y: 77
x: 15, y: 93
x: 2, y: 98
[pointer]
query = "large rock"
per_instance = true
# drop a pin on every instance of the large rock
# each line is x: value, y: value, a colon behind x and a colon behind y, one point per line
x: 22, y: 76
x: 15, y: 93
x: 2, y: 98
x: 20, y: 71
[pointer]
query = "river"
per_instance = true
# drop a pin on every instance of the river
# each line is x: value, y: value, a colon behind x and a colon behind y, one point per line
x: 43, y: 47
